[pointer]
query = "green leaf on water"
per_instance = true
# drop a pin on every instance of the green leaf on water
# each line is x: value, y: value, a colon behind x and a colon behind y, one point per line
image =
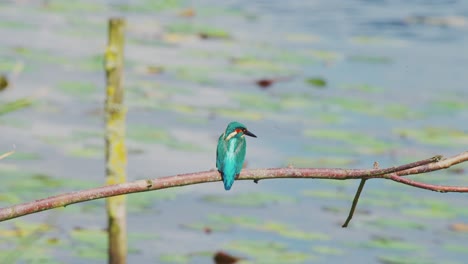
x: 237, y: 113
x: 457, y: 248
x: 304, y: 162
x: 325, y: 250
x: 25, y: 156
x: 93, y: 63
x: 430, y: 213
x: 174, y: 258
x: 202, y: 75
x: 215, y: 227
x: 296, y: 101
x: 391, y: 243
x: 17, y: 25
x: 326, y: 56
x: 364, y: 143
x: 256, y: 199
x: 204, y: 31
x: 317, y: 82
x: 405, y: 260
x: 149, y: 134
x: 251, y: 65
x: 448, y: 106
x: 143, y: 202
x: 327, y: 194
x: 370, y: 59
x: 371, y: 40
x: 77, y: 88
x: 256, y: 101
x: 268, y: 252
x: 9, y: 198
x: 90, y: 243
x: 15, y: 105
x: 74, y: 7
x: 86, y: 151
x: 290, y: 232
x: 436, y: 136
x: 367, y: 88
x: 384, y: 223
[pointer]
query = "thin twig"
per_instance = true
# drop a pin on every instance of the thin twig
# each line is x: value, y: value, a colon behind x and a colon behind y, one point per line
x: 355, y: 201
x: 356, y: 198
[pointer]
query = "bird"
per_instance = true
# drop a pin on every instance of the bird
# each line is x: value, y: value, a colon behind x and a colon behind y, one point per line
x: 230, y: 153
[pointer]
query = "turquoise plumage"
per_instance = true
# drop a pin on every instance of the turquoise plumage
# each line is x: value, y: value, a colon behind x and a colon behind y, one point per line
x: 230, y: 153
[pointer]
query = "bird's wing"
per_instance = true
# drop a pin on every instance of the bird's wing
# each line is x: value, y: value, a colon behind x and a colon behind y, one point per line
x: 240, y: 151
x: 221, y: 152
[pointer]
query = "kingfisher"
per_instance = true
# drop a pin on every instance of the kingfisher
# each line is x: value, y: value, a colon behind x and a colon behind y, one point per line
x: 230, y: 153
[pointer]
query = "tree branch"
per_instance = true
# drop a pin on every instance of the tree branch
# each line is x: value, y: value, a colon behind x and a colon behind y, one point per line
x: 393, y: 173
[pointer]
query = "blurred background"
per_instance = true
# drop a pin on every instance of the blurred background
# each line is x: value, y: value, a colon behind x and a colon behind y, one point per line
x: 321, y: 83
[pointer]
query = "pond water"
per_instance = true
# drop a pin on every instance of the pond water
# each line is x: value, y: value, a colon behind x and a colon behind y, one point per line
x: 353, y: 82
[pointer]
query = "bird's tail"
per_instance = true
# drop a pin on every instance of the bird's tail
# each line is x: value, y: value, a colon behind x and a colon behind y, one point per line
x: 228, y: 182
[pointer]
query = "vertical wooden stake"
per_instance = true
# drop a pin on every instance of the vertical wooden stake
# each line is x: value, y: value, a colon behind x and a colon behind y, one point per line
x: 116, y: 153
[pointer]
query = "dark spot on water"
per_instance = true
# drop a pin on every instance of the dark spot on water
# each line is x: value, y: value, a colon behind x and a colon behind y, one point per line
x: 221, y: 257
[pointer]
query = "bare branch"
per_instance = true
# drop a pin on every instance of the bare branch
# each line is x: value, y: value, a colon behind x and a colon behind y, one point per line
x: 393, y: 173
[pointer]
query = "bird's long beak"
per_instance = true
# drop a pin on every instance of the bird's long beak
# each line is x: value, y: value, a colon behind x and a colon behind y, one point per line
x: 248, y: 133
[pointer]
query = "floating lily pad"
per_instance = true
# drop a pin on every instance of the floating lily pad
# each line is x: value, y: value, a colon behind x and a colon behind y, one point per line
x: 93, y: 63
x: 81, y: 6
x: 268, y: 252
x: 174, y: 258
x: 438, y: 136
x: 212, y: 227
x: 249, y: 199
x: 253, y: 65
x: 256, y: 101
x: 290, y: 232
x: 149, y: 134
x: 325, y: 250
x: 327, y: 194
x: 15, y: 105
x: 304, y: 162
x: 144, y: 202
x: 25, y: 156
x: 17, y: 25
x: 430, y: 212
x: 75, y: 88
x: 204, y: 31
x: 326, y: 56
x: 202, y: 75
x: 237, y: 113
x: 448, y: 106
x: 457, y: 248
x: 317, y: 82
x: 403, y: 224
x: 87, y: 151
x: 370, y: 59
x: 295, y: 101
x: 391, y: 243
x: 405, y: 260
x: 363, y: 143
x: 92, y: 243
x: 376, y: 40
x: 363, y: 88
x: 245, y: 221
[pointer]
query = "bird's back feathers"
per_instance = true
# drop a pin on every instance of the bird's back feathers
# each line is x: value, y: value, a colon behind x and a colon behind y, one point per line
x: 230, y: 157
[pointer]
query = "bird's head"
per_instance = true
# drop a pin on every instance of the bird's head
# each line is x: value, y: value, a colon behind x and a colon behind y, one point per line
x: 236, y: 129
